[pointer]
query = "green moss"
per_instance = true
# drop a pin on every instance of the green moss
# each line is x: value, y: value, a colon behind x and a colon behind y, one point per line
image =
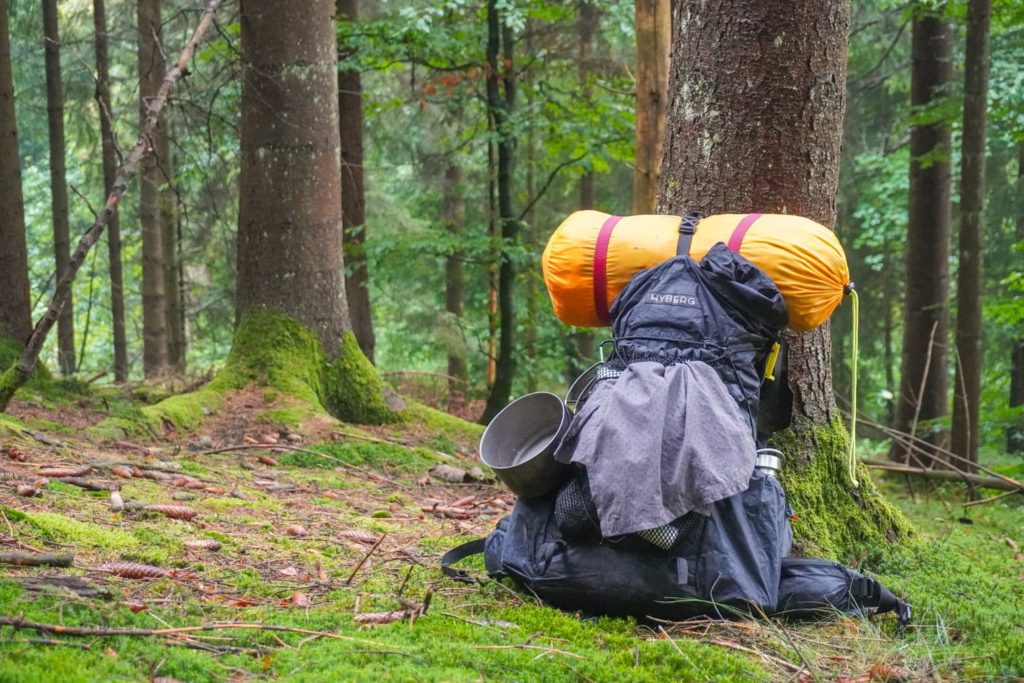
x: 444, y: 425
x: 63, y: 529
x: 353, y: 391
x: 292, y: 418
x: 833, y: 519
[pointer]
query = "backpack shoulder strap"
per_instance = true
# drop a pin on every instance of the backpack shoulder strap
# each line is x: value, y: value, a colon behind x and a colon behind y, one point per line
x: 687, y: 226
x: 458, y: 553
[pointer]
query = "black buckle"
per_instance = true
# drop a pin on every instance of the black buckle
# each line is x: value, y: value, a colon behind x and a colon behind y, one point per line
x: 687, y: 227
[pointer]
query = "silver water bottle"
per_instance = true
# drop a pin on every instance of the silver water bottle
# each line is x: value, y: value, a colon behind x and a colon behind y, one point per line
x: 769, y: 461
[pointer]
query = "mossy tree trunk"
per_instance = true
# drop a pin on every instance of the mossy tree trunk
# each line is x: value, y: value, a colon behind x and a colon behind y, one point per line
x: 291, y: 290
x: 755, y: 116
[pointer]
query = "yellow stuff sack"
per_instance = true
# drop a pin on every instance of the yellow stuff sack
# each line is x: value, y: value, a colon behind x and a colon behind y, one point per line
x: 592, y: 255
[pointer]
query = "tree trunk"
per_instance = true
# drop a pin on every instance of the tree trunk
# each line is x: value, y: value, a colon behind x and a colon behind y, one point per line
x: 154, y: 305
x: 580, y: 349
x: 501, y: 95
x: 58, y: 182
x: 109, y: 173
x: 171, y: 251
x: 1015, y: 434
x: 758, y: 85
x: 15, y: 305
x: 967, y: 386
x: 653, y: 41
x: 291, y: 303
x: 454, y: 216
x: 922, y: 395
x: 353, y: 197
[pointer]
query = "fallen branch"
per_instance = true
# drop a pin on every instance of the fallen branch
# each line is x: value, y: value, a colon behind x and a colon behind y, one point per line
x: 89, y: 485
x: 15, y: 377
x: 348, y: 581
x: 37, y: 559
x: 91, y: 632
x: 946, y: 475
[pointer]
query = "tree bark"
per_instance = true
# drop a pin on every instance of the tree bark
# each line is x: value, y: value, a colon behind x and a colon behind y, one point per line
x: 109, y: 174
x: 757, y: 96
x: 58, y: 182
x: 289, y: 228
x: 653, y: 41
x: 967, y: 386
x: 501, y: 95
x: 154, y: 305
x: 15, y: 305
x: 454, y: 295
x: 353, y: 196
x: 923, y: 395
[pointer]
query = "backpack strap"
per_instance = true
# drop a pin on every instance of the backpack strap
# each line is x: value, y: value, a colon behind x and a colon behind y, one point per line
x: 871, y: 594
x: 736, y: 238
x: 687, y: 227
x: 458, y: 553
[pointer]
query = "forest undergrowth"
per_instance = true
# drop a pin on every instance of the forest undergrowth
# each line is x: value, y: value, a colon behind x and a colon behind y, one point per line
x: 307, y: 550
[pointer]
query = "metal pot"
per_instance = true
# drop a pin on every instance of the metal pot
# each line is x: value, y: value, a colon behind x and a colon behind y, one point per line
x: 519, y: 444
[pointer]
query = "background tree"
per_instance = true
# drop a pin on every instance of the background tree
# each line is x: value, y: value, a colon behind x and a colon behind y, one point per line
x: 923, y: 387
x: 154, y: 286
x: 58, y: 182
x: 967, y: 385
x: 501, y: 98
x: 719, y: 139
x: 353, y: 196
x: 653, y: 40
x: 15, y: 308
x: 108, y: 145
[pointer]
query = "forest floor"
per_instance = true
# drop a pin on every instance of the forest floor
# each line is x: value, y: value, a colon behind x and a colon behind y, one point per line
x: 329, y: 536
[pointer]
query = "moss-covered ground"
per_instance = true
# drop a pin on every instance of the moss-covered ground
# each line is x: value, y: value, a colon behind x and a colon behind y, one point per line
x: 348, y: 486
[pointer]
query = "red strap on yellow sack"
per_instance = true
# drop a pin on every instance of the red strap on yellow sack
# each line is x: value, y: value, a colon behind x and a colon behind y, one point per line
x: 604, y: 238
x: 736, y: 239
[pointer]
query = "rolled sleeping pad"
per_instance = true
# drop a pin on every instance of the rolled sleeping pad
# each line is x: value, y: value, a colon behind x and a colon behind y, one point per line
x: 592, y: 255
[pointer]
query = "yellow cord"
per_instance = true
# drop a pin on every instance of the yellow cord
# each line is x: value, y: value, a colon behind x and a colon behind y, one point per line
x: 854, y: 353
x: 769, y: 366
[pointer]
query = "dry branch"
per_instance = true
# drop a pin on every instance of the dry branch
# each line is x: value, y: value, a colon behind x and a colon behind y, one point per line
x: 15, y: 378
x: 37, y: 559
x: 945, y: 475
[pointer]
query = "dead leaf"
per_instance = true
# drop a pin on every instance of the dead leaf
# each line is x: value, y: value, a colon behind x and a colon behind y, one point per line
x: 242, y: 602
x: 110, y: 652
x: 296, y: 530
x: 332, y: 494
x: 248, y: 439
x: 14, y: 454
x: 267, y: 460
x: 424, y: 480
x: 289, y: 571
x: 297, y: 599
x: 268, y: 438
x: 1019, y: 556
x: 137, y: 606
x: 321, y: 574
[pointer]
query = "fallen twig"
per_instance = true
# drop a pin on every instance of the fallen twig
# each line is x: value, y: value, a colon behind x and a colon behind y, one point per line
x: 348, y: 581
x: 100, y: 631
x: 524, y: 646
x: 89, y: 485
x: 993, y: 499
x: 37, y: 559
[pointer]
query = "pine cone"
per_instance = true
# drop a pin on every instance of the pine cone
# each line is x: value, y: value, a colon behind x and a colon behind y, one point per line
x: 358, y: 536
x: 173, y: 511
x: 203, y: 544
x: 133, y: 570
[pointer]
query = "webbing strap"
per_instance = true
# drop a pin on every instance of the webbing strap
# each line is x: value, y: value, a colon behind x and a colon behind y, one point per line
x: 461, y: 552
x: 736, y: 239
x: 687, y: 227
x: 604, y: 238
